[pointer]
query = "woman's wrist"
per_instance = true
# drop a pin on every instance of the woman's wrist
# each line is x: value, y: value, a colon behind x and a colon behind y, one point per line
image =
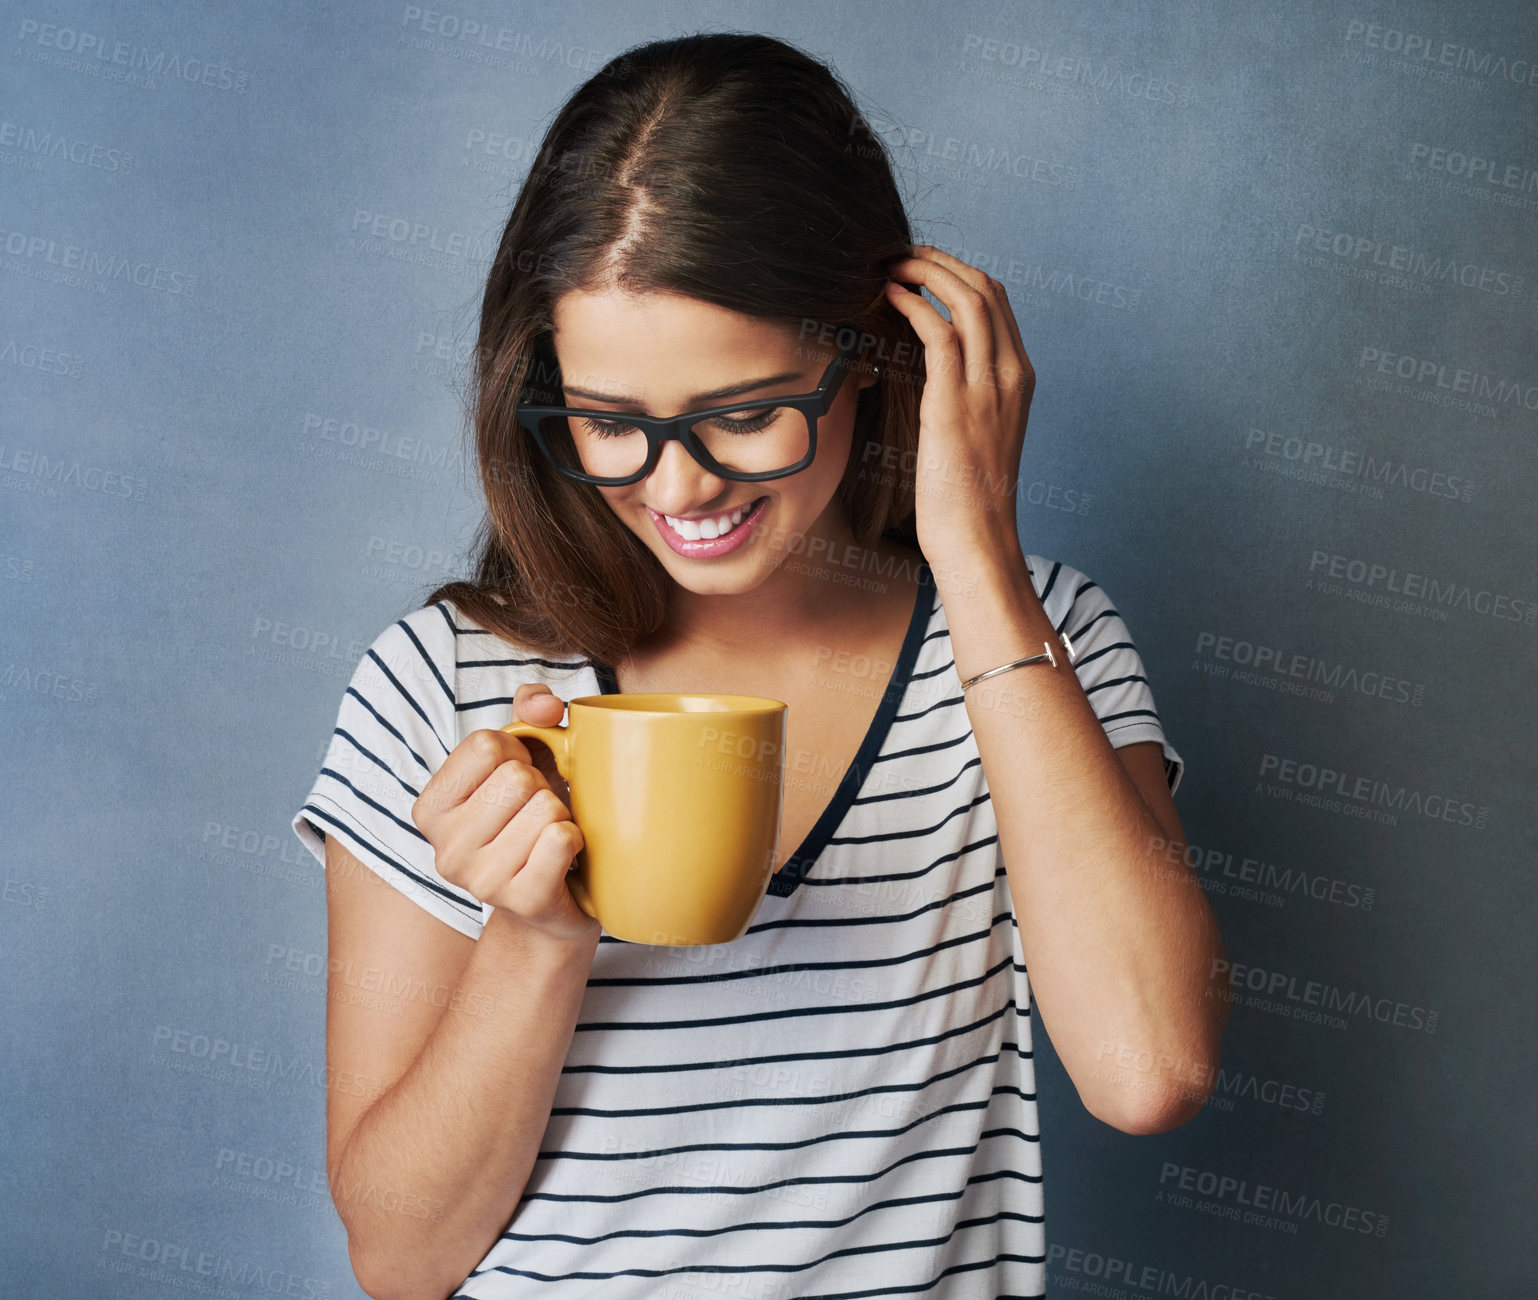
x: 524, y: 943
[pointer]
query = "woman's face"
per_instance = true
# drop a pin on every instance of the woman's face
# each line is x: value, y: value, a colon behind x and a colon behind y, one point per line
x: 664, y: 354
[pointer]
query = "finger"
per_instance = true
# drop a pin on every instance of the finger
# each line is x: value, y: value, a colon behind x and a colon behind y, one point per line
x: 534, y: 702
x: 462, y: 773
x: 942, y: 345
x: 542, y: 878
x: 1005, y: 358
x: 972, y: 315
x: 499, y: 800
x: 1009, y: 359
x: 511, y: 846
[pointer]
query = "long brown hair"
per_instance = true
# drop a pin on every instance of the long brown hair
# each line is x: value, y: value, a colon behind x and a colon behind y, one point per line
x: 731, y: 168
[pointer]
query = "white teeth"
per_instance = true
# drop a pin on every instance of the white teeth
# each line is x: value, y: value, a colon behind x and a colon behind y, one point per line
x: 695, y: 530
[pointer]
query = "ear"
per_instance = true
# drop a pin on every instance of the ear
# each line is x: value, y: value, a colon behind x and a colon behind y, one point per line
x: 863, y: 378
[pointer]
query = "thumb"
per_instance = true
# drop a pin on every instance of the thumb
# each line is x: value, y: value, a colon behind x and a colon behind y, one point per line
x: 537, y: 704
x: 533, y: 702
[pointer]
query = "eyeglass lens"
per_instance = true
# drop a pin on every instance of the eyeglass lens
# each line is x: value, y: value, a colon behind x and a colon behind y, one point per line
x: 755, y: 440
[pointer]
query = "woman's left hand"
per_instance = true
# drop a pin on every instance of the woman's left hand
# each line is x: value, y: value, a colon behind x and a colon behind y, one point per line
x: 977, y: 395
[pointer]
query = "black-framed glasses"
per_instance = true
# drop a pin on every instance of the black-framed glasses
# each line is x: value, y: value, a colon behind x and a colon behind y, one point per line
x: 746, y: 441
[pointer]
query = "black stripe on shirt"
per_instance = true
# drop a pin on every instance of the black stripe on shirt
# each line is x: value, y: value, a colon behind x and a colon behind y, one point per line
x: 409, y: 698
x: 448, y: 691
x: 657, y: 1153
x: 775, y: 1058
x: 912, y: 875
x: 709, y: 1022
x: 914, y: 794
x: 387, y: 725
x: 469, y: 904
x: 766, y: 1224
x: 827, y: 1099
x: 884, y: 836
x: 379, y: 762
x: 785, y: 968
x: 936, y: 1153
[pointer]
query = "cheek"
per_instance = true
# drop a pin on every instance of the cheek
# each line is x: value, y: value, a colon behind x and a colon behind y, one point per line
x: 619, y: 501
x: 835, y: 433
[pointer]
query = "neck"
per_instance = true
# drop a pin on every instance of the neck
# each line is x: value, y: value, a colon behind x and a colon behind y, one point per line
x: 825, y: 586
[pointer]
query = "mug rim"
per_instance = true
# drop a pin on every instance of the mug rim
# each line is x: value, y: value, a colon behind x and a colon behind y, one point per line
x: 744, y: 705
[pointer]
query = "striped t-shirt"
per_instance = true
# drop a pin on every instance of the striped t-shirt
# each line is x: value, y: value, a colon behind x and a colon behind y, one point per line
x: 840, y: 1103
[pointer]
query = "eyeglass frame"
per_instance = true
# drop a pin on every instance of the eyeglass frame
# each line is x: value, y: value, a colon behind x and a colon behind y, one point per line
x: 660, y: 430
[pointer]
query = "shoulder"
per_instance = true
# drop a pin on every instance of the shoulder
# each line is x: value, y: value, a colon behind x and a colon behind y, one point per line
x: 1063, y: 590
x: 1106, y: 659
x: 442, y: 646
x: 472, y: 673
x: 422, y: 646
x: 425, y: 682
x: 403, y: 689
x: 1084, y: 612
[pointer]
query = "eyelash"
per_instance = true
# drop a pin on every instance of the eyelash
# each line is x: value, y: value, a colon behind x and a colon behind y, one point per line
x: 754, y: 424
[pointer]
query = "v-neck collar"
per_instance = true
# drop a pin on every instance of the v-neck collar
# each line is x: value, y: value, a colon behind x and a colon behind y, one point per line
x: 790, y: 874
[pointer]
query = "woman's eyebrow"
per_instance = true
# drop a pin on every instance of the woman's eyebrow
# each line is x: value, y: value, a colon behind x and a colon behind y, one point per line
x: 732, y: 390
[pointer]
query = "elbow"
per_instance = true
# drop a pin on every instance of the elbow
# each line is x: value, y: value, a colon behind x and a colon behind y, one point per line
x: 1145, y: 1117
x: 386, y: 1280
x: 375, y: 1282
x: 1143, y: 1104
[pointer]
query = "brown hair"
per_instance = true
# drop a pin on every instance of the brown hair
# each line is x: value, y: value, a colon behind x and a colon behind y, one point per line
x: 731, y: 168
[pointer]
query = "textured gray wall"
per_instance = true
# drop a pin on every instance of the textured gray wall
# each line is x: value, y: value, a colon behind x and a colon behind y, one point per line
x: 1273, y: 264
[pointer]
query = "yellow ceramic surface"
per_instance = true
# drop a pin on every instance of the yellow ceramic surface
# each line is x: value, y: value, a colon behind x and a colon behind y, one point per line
x: 678, y: 797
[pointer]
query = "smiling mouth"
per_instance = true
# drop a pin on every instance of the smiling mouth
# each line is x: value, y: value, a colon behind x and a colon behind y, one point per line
x: 703, y: 530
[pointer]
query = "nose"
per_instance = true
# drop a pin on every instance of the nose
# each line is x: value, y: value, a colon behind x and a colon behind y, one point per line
x: 679, y: 484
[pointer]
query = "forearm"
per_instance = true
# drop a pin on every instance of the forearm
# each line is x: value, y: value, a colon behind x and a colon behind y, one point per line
x: 462, y: 1127
x: 1119, y: 942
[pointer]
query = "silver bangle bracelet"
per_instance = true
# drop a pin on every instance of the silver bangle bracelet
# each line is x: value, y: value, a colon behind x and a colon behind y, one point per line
x: 1049, y: 657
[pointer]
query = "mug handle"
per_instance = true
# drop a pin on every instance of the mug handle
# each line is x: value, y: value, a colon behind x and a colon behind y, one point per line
x: 558, y: 738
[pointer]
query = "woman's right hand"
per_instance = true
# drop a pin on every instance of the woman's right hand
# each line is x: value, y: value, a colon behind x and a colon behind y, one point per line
x: 498, y: 827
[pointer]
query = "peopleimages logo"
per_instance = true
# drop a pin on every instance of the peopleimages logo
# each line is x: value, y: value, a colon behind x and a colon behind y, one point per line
x: 1441, y: 592
x: 1390, y: 264
x: 1271, y: 985
x: 1320, y: 780
x: 1467, y: 172
x: 477, y: 38
x: 1471, y: 166
x: 36, y: 143
x: 932, y: 149
x: 1102, y: 78
x: 95, y: 265
x: 1451, y: 56
x: 1239, y: 1194
x: 211, y: 1271
x: 1036, y: 278
x: 1352, y: 462
x: 1288, y: 662
x: 1213, y: 862
x: 1113, y: 1271
x: 95, y: 52
x: 1428, y: 372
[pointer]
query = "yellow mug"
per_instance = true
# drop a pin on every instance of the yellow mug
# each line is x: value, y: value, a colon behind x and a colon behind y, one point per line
x: 678, y: 796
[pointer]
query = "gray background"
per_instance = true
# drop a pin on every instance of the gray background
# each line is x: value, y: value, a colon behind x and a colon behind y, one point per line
x: 1247, y: 246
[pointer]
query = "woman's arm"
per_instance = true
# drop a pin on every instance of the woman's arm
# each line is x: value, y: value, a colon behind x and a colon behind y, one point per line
x: 1122, y: 949
x: 1121, y: 946
x: 439, y: 1098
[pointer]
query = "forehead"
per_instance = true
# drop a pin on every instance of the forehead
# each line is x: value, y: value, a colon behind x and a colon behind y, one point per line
x: 626, y: 336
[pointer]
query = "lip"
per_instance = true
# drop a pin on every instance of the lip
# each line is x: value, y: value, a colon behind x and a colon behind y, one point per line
x: 708, y: 548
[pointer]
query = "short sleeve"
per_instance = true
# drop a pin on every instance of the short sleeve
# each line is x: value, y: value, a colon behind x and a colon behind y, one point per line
x: 396, y: 724
x: 1105, y: 659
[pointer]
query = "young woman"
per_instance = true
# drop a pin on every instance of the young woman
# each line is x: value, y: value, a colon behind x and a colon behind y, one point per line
x: 842, y: 1101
